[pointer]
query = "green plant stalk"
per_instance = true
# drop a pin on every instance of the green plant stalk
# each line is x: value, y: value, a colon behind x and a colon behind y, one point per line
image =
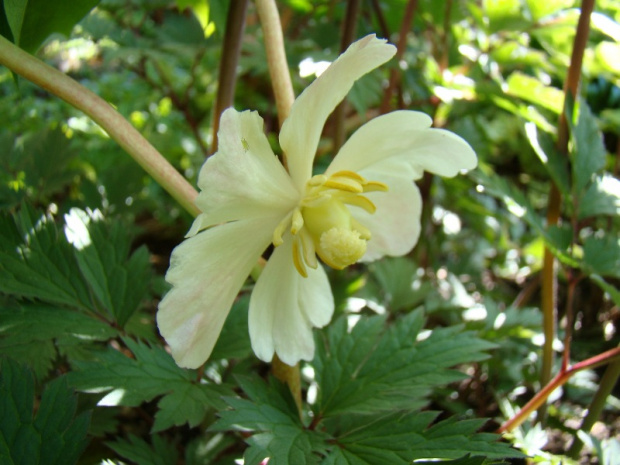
x: 283, y: 91
x: 560, y: 379
x: 549, y: 271
x: 235, y: 27
x: 100, y: 111
x: 608, y: 381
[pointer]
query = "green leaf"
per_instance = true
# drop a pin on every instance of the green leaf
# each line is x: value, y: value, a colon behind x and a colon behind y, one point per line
x: 534, y: 91
x: 118, y: 280
x: 161, y: 452
x: 396, y: 277
x: 28, y: 333
x: 589, y: 154
x: 613, y: 291
x: 601, y: 255
x: 234, y: 341
x: 601, y: 198
x: 152, y: 373
x: 518, y: 204
x: 96, y: 274
x: 554, y: 162
x: 372, y: 369
x: 271, y: 412
x: 32, y: 21
x: 55, y: 436
x: 401, y: 438
x: 36, y: 262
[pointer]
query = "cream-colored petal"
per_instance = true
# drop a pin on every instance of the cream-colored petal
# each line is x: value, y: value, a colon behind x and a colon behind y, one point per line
x: 285, y: 306
x: 244, y: 179
x: 395, y: 225
x: 404, y: 138
x: 206, y: 273
x: 302, y: 129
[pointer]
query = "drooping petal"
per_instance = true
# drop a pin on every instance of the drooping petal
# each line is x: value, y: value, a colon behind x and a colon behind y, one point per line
x: 302, y: 129
x: 395, y: 225
x: 404, y: 138
x: 244, y: 179
x: 206, y: 273
x: 285, y: 306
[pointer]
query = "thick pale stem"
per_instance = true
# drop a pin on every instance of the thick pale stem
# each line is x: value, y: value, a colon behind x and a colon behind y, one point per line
x: 276, y: 57
x: 119, y: 129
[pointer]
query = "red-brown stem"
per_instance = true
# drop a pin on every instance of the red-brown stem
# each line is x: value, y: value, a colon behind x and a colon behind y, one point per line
x: 395, y: 72
x: 235, y: 26
x: 549, y: 275
x: 559, y: 380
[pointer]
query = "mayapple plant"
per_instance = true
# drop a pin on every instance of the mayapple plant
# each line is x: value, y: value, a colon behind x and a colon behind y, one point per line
x: 363, y: 207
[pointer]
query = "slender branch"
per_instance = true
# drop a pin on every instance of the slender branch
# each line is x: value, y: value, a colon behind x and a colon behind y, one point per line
x: 276, y: 57
x: 383, y: 27
x: 395, y: 73
x: 349, y: 27
x: 549, y: 277
x: 560, y: 379
x: 235, y: 26
x: 608, y: 382
x: 104, y: 115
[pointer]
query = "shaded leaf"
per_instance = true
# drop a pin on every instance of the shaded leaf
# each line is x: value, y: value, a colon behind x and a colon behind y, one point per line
x: 602, y: 197
x: 152, y: 373
x: 374, y: 369
x: 55, y: 436
x: 161, y: 452
x: 589, y: 154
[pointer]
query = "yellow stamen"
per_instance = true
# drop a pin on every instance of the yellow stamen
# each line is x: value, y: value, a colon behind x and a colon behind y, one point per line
x: 298, y: 221
x: 297, y: 259
x: 358, y: 201
x: 374, y: 186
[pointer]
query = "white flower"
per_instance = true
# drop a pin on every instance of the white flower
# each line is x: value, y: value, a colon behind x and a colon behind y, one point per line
x: 363, y: 207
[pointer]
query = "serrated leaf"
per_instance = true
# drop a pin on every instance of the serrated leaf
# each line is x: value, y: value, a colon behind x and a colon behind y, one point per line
x: 554, y: 162
x: 31, y: 21
x: 118, y: 280
x: 404, y: 437
x: 55, y: 436
x: 161, y: 452
x: 152, y: 373
x: 589, y: 153
x: 272, y: 414
x: 36, y: 262
x: 533, y: 90
x: 372, y: 369
x: 97, y: 275
x: 602, y: 197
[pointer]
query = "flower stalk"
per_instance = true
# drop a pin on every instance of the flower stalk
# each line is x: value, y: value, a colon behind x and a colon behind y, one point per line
x: 102, y: 113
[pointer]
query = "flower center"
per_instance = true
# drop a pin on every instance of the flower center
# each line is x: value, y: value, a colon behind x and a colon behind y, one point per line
x: 323, y: 225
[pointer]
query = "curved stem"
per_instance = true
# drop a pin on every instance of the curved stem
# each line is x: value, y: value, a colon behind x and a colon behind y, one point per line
x: 104, y: 115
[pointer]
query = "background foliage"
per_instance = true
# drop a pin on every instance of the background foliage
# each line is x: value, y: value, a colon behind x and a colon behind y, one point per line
x: 423, y: 348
